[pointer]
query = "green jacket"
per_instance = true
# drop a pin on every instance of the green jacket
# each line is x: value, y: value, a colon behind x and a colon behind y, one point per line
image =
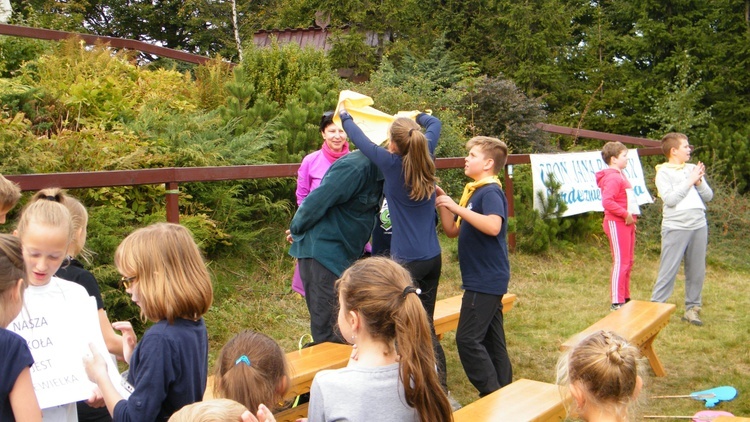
x: 335, y: 221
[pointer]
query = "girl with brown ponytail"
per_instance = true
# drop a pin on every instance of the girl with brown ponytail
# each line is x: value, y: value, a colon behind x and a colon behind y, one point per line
x: 252, y: 370
x: 409, y: 171
x: 601, y: 373
x: 394, y: 376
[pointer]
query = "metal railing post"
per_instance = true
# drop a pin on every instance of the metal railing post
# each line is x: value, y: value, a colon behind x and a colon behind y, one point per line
x: 173, y: 202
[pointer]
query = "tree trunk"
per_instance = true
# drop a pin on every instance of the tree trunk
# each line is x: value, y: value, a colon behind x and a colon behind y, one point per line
x: 237, y: 29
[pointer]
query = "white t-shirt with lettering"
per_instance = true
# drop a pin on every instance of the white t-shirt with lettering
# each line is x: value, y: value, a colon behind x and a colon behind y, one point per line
x: 55, y: 293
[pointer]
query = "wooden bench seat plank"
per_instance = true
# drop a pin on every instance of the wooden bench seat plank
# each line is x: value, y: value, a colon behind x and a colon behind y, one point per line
x: 447, y: 312
x: 291, y: 415
x: 305, y: 363
x: 522, y: 400
x: 638, y: 322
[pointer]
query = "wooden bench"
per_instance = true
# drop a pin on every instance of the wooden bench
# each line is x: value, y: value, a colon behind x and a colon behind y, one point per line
x: 448, y: 310
x: 638, y: 322
x: 522, y: 400
x: 291, y: 415
x: 304, y: 364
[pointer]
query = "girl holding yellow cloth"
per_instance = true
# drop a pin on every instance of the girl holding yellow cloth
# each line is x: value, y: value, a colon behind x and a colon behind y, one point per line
x: 409, y: 171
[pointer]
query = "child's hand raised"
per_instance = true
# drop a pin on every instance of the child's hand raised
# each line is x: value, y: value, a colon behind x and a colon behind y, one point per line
x: 264, y: 415
x: 129, y: 339
x: 446, y: 201
x: 96, y: 366
x: 96, y: 400
x: 698, y: 172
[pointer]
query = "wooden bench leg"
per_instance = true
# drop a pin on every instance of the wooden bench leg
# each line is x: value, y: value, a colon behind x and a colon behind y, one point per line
x: 648, y: 351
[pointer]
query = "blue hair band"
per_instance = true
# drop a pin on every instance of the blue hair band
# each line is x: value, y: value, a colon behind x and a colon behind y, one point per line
x: 242, y: 359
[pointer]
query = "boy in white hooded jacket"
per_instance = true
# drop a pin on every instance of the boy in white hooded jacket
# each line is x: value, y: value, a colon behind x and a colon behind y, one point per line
x: 684, y: 229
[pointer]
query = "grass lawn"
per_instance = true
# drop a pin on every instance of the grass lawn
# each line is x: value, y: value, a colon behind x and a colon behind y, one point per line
x: 559, y: 294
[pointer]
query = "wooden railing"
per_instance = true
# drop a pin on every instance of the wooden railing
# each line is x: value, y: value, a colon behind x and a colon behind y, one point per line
x: 53, y: 35
x: 171, y: 177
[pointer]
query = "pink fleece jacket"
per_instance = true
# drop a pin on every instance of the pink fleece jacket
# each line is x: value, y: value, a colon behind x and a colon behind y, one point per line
x: 614, y: 199
x: 314, y: 166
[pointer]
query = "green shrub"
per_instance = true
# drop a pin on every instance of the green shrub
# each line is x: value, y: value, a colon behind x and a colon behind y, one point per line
x: 14, y: 51
x: 349, y: 50
x: 537, y: 231
x: 278, y: 72
x: 504, y: 111
x: 210, y: 83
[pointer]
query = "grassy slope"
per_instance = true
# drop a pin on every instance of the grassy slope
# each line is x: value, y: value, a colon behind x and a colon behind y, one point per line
x: 559, y: 295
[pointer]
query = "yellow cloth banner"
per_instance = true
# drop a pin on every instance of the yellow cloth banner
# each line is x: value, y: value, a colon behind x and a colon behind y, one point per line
x: 373, y: 122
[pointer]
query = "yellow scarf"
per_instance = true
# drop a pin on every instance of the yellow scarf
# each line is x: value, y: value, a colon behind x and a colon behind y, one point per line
x: 671, y: 166
x: 471, y: 187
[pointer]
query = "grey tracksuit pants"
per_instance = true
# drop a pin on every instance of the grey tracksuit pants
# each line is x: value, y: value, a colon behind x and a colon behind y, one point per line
x: 676, y: 246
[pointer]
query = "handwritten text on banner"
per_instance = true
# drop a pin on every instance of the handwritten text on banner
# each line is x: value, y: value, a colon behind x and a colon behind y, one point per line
x: 577, y: 173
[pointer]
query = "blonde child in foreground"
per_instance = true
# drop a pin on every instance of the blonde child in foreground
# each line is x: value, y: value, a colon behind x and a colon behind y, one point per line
x: 217, y: 410
x: 601, y: 373
x: 164, y: 273
x: 45, y: 229
x: 252, y: 369
x: 17, y: 397
x: 10, y: 193
x: 394, y: 376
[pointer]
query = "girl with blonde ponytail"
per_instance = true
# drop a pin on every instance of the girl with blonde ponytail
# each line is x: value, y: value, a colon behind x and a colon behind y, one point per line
x: 393, y: 377
x: 602, y: 374
x: 409, y: 188
x: 46, y: 232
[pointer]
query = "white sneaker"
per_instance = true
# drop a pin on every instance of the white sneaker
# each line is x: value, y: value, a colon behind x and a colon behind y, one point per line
x: 691, y: 316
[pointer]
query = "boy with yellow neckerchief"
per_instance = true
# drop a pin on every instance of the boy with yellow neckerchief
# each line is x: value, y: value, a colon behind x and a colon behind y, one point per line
x: 480, y: 222
x: 684, y: 230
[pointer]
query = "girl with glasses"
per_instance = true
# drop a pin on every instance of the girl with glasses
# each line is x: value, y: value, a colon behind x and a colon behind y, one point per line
x: 165, y: 275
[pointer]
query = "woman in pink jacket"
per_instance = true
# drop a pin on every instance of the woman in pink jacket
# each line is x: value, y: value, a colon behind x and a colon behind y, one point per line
x: 315, y: 165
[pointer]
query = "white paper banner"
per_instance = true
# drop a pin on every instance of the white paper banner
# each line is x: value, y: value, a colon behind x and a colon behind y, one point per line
x: 59, y: 337
x: 576, y: 172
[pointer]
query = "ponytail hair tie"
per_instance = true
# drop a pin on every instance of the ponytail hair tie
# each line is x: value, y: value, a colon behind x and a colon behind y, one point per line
x: 411, y: 131
x: 242, y: 359
x: 50, y: 198
x: 410, y: 289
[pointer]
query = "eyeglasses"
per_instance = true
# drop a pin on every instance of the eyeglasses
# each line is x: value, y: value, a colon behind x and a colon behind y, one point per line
x: 126, y: 282
x: 327, y: 114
